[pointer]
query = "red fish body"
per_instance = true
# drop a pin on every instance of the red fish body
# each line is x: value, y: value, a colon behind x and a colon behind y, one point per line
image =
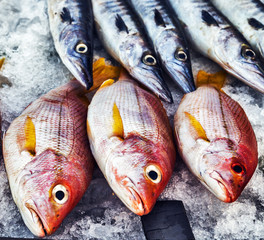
x: 47, y: 157
x: 216, y: 141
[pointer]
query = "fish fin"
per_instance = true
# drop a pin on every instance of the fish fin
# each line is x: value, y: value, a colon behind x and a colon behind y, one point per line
x: 159, y: 19
x: 66, y: 15
x: 198, y: 130
x: 119, y: 22
x: 107, y: 83
x: 118, y: 129
x: 102, y: 72
x: 209, y: 19
x: 30, y: 136
x: 255, y: 23
x: 214, y: 79
x: 2, y: 60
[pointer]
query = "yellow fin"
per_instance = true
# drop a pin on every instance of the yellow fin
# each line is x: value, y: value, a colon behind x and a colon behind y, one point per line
x: 199, y: 130
x: 214, y: 79
x: 118, y: 129
x: 30, y: 136
x: 107, y: 83
x: 2, y: 60
x: 102, y: 72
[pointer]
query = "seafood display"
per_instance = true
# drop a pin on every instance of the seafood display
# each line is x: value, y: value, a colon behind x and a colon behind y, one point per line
x: 216, y: 139
x: 212, y: 35
x: 47, y: 157
x: 168, y: 41
x: 131, y: 140
x: 54, y: 127
x: 71, y: 25
x: 119, y: 32
x: 247, y: 16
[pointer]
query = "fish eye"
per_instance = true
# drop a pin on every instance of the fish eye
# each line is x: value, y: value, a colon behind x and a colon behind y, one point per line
x: 149, y: 60
x: 248, y: 53
x: 181, y: 55
x: 153, y: 173
x: 237, y: 168
x: 60, y: 194
x: 81, y: 48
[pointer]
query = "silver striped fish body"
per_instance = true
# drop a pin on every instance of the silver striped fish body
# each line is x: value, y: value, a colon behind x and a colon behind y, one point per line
x: 121, y: 36
x: 143, y: 143
x: 211, y: 34
x: 248, y: 17
x: 216, y: 141
x: 71, y: 25
x: 168, y: 41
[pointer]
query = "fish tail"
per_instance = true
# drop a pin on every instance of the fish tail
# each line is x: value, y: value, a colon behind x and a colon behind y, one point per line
x: 216, y: 80
x: 102, y: 72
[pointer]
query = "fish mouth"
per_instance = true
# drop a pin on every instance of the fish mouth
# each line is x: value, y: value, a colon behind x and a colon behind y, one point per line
x: 82, y: 74
x: 152, y: 80
x: 220, y: 188
x: 181, y: 76
x: 37, y: 225
x: 132, y: 198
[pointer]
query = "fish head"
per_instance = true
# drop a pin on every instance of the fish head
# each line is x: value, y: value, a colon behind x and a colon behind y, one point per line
x: 142, y: 64
x: 76, y: 51
x: 241, y: 60
x: 49, y: 188
x: 176, y: 61
x: 224, y: 170
x: 138, y: 172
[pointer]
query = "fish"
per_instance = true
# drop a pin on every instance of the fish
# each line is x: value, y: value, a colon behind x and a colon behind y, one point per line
x: 71, y: 26
x: 48, y: 159
x: 124, y: 40
x: 168, y: 41
x: 210, y: 33
x: 47, y: 154
x: 247, y: 16
x: 131, y: 140
x: 215, y: 138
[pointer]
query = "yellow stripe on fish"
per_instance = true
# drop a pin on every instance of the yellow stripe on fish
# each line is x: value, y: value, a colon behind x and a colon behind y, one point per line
x: 118, y: 129
x: 197, y: 127
x: 30, y: 136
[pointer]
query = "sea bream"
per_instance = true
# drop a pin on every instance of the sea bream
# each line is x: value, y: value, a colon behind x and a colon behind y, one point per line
x: 168, y: 41
x: 71, y: 26
x: 124, y: 40
x: 248, y: 17
x: 216, y: 139
x: 47, y: 157
x: 212, y: 35
x: 131, y: 140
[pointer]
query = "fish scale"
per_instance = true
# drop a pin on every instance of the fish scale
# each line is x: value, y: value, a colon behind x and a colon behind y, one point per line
x: 71, y: 26
x: 216, y: 141
x: 168, y: 41
x: 129, y: 132
x: 239, y: 12
x: 212, y: 35
x: 46, y: 151
x: 124, y: 39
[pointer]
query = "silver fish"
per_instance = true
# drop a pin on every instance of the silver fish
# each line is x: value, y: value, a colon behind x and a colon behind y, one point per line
x: 121, y: 36
x: 168, y: 41
x: 247, y: 16
x: 212, y: 35
x: 71, y: 25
